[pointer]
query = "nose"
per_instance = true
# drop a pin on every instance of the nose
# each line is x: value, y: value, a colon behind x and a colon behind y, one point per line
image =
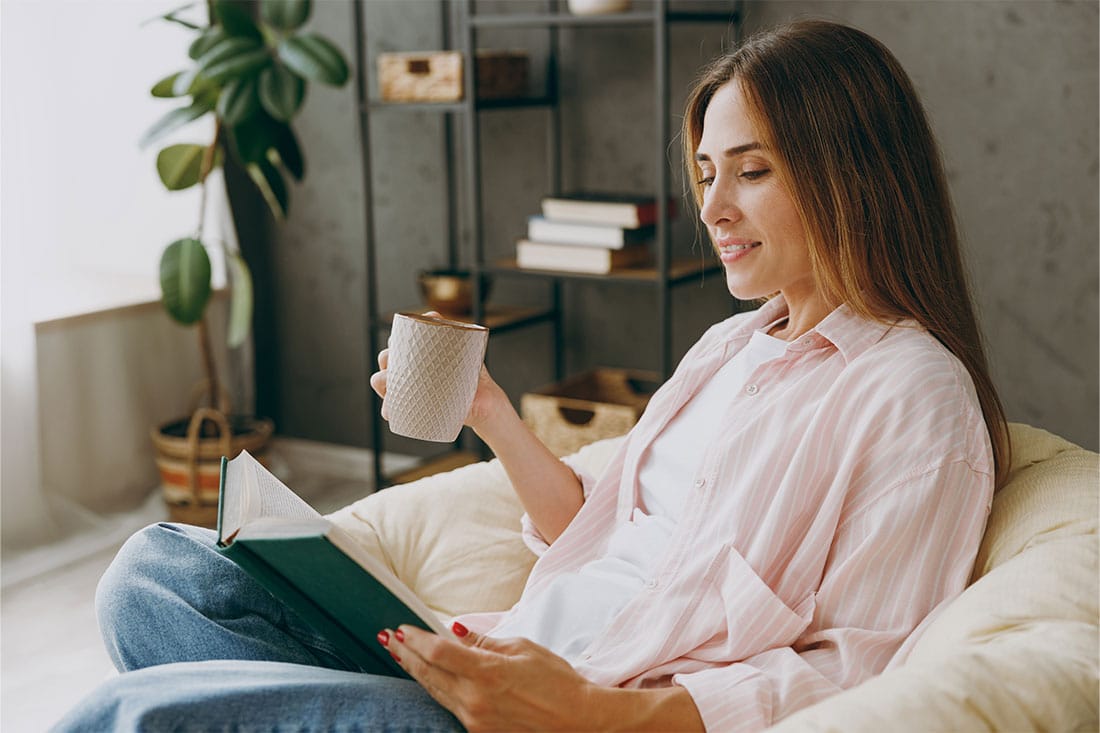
x: 719, y: 205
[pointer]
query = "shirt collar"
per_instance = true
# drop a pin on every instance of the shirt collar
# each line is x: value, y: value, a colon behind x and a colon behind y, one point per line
x: 850, y: 333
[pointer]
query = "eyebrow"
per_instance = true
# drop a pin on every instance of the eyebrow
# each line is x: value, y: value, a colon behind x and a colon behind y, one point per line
x: 731, y: 152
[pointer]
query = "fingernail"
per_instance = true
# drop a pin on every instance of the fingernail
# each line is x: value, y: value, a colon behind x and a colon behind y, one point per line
x: 395, y: 657
x: 399, y: 635
x: 459, y: 629
x: 383, y: 638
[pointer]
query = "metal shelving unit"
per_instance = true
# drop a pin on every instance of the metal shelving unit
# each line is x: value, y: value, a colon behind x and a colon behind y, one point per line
x: 666, y: 273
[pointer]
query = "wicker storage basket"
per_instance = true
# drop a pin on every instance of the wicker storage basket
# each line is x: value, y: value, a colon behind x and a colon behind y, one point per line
x: 437, y: 76
x: 190, y: 465
x: 601, y: 403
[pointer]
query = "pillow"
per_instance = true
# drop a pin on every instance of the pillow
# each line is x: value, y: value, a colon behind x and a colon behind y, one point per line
x: 454, y: 538
x: 1051, y: 494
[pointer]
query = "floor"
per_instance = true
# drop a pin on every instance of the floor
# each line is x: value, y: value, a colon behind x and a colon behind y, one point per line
x: 51, y: 654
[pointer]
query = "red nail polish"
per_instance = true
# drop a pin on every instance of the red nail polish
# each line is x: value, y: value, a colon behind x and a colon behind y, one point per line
x: 399, y: 635
x: 383, y: 638
x: 459, y: 629
x: 395, y: 657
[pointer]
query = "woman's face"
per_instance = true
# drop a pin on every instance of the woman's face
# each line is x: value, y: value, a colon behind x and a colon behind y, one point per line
x: 749, y: 213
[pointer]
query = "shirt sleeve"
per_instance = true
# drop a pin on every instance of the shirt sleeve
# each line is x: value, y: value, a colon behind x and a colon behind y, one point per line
x: 891, y: 563
x: 531, y: 535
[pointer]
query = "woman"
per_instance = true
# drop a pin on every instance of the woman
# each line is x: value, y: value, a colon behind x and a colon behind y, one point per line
x: 809, y: 486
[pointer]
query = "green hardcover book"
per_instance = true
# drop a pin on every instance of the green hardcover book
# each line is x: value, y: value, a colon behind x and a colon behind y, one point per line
x: 313, y: 566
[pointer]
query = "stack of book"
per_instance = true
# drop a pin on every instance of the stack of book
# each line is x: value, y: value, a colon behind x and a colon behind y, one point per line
x: 589, y: 232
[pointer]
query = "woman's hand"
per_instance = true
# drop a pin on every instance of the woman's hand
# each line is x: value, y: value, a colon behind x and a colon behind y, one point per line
x: 488, y: 399
x: 515, y: 684
x: 492, y: 684
x: 548, y: 489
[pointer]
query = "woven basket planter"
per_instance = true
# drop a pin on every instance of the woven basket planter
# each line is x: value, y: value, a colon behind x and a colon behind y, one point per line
x: 190, y: 464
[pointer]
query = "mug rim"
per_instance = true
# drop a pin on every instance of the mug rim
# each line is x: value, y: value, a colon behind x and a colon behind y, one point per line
x: 441, y: 321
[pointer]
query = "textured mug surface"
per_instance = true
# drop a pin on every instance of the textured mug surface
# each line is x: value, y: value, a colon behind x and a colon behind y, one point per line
x: 432, y: 375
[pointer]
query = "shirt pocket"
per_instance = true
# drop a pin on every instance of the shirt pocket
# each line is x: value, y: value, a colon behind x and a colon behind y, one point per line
x: 753, y: 617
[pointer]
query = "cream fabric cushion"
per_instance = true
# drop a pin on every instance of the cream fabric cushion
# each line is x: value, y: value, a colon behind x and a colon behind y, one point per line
x: 454, y: 538
x: 1017, y: 651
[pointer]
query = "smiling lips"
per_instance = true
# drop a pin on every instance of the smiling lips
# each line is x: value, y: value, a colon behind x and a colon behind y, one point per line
x: 732, y: 249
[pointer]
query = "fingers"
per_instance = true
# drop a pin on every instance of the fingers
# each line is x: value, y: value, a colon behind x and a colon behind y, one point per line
x: 378, y: 379
x: 464, y: 635
x: 436, y: 651
x: 438, y: 682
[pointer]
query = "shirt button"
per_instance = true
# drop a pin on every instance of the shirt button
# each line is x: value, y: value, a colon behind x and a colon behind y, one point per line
x: 651, y: 583
x: 751, y: 389
x: 700, y: 483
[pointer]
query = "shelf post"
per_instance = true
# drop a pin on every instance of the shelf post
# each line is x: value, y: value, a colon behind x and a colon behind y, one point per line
x: 664, y: 234
x: 370, y: 260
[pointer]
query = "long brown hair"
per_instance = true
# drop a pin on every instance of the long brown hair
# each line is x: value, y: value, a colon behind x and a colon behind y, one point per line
x: 853, y: 144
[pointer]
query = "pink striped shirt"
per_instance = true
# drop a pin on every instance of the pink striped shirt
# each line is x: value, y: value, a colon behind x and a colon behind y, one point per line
x: 840, y: 500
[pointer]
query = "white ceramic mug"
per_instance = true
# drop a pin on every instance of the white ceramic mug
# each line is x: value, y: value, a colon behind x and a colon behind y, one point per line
x: 432, y: 375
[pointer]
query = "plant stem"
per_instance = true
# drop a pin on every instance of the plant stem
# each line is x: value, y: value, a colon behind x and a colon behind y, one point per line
x: 208, y: 157
x: 208, y: 363
x: 204, y: 333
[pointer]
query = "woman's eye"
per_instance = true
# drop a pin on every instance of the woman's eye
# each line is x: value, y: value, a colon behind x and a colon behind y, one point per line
x: 755, y: 174
x: 705, y: 181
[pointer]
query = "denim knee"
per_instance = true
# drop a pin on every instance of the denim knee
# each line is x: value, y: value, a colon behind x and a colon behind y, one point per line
x: 143, y: 574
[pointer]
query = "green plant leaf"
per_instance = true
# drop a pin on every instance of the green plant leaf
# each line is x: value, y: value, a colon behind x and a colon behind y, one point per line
x: 271, y: 184
x: 240, y: 299
x: 234, y: 18
x: 281, y: 92
x: 238, y: 101
x: 206, y: 41
x: 180, y: 166
x: 288, y: 152
x: 226, y: 48
x: 185, y: 280
x: 234, y: 67
x: 286, y: 15
x: 254, y: 137
x: 314, y: 58
x: 173, y: 120
x: 171, y: 17
x: 191, y: 81
x: 165, y: 88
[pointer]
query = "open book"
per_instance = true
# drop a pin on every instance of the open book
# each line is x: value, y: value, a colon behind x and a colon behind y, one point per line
x: 313, y: 566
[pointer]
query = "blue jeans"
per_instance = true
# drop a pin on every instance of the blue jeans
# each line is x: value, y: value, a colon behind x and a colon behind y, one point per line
x: 203, y: 647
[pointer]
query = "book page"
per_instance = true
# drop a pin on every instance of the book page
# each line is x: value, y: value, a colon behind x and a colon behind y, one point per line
x: 252, y: 492
x: 269, y: 496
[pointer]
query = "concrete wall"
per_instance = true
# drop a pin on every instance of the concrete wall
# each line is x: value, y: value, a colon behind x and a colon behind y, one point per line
x: 1012, y: 92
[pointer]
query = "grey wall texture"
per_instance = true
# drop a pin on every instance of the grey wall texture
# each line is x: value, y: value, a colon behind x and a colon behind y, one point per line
x: 1012, y: 91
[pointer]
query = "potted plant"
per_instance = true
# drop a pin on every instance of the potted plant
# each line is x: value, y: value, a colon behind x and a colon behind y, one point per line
x: 250, y: 74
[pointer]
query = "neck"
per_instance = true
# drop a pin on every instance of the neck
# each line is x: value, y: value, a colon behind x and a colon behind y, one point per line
x: 802, y: 315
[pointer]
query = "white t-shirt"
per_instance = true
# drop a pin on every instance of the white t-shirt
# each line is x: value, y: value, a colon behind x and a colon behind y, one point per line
x: 569, y: 613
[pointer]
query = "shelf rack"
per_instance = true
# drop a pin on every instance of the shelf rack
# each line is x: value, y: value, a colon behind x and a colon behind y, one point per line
x: 663, y: 276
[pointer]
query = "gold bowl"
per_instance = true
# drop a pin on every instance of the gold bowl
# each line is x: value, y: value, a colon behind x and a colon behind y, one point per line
x: 451, y: 292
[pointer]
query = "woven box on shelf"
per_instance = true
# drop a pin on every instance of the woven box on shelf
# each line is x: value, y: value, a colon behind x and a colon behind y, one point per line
x: 437, y: 76
x: 590, y: 406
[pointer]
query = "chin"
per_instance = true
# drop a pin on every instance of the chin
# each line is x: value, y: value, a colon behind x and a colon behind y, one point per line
x: 740, y: 290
